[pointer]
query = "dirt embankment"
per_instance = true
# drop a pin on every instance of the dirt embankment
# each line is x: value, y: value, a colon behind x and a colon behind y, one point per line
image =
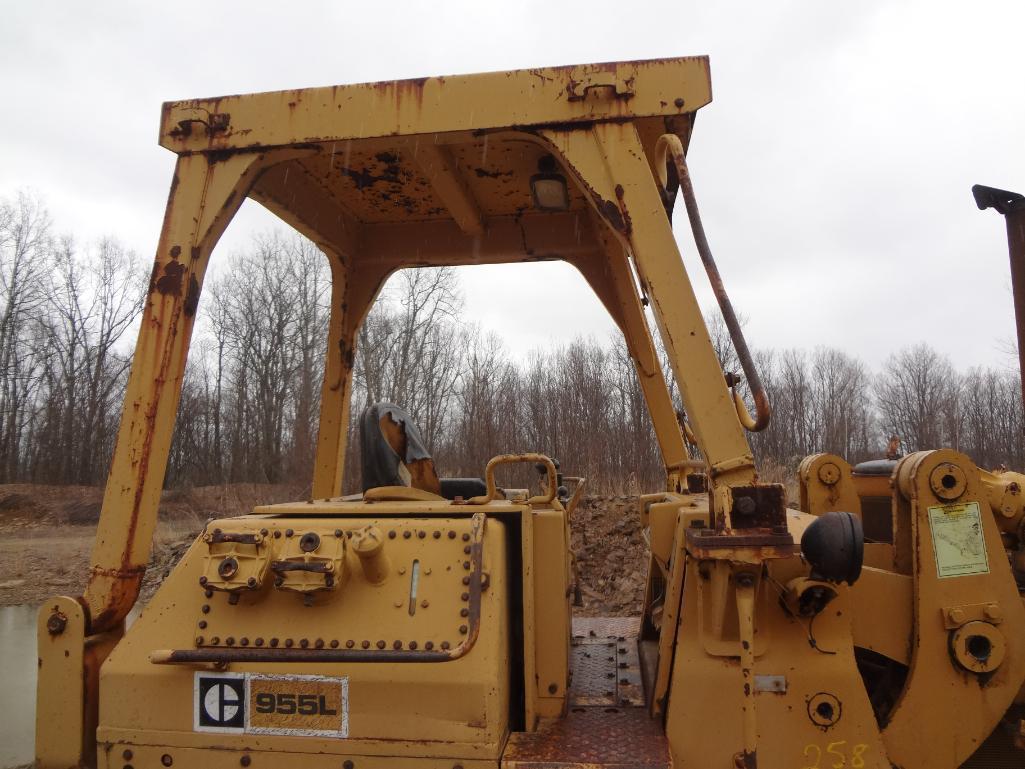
x: 46, y: 536
x: 46, y: 532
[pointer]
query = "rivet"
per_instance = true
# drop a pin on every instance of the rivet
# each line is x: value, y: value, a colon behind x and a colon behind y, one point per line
x: 464, y: 612
x: 437, y: 535
x: 251, y: 582
x: 288, y: 643
x: 348, y: 765
x: 424, y: 604
x: 303, y: 643
x: 274, y: 642
x: 466, y: 549
x: 466, y: 538
x: 230, y: 640
x: 319, y: 643
x: 258, y: 642
x: 263, y: 532
x: 277, y: 535
x: 199, y: 640
x: 412, y: 645
x: 553, y: 688
x: 349, y: 644
x: 208, y: 593
x: 429, y: 645
x: 166, y: 759
x: 465, y: 596
x: 338, y: 532
x: 202, y: 580
x: 466, y: 565
x: 466, y: 580
x: 215, y: 640
x: 334, y: 643
x: 391, y: 535
x: 421, y: 534
x: 463, y: 629
x: 679, y: 102
x: 289, y: 532
x: 407, y: 534
x: 365, y: 644
x: 202, y: 624
x: 244, y: 641
x: 397, y: 645
x: 444, y: 644
x: 245, y: 760
x: 381, y: 644
x: 451, y: 535
x: 233, y: 599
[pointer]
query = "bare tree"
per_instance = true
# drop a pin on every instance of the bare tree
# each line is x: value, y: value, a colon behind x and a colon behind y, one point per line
x: 918, y: 396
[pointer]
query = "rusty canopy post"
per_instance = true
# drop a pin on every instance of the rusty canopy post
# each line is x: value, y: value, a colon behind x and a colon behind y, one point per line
x: 205, y: 194
x: 610, y: 277
x: 611, y: 158
x: 353, y: 290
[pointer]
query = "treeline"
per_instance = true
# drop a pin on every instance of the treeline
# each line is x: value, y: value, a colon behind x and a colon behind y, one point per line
x: 251, y: 396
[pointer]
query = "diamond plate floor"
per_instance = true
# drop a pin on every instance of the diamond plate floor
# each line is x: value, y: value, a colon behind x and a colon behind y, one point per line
x: 607, y: 724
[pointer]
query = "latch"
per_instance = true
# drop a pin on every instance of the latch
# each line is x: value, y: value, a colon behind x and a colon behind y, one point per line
x: 619, y: 78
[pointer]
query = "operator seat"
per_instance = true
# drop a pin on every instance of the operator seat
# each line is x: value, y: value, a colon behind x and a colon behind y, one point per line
x: 394, y: 454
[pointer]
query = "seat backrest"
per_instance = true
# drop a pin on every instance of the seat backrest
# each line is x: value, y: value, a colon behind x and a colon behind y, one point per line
x: 393, y: 450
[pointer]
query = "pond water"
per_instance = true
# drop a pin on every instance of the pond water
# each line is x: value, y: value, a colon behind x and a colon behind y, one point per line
x: 18, y: 695
x: 18, y: 666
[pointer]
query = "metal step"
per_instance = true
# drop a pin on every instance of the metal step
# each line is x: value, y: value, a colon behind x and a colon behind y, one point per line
x: 607, y: 724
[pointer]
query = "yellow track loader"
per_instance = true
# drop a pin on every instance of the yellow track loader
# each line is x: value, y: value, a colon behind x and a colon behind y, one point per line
x: 426, y: 623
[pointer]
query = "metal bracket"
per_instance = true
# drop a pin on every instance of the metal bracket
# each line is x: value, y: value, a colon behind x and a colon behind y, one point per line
x: 584, y: 79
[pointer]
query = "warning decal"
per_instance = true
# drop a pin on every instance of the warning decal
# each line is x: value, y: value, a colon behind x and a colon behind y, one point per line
x: 958, y: 540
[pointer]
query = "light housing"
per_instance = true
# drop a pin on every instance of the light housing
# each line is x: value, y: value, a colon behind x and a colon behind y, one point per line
x: 548, y: 188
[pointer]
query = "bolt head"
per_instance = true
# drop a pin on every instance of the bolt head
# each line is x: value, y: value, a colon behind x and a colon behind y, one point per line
x: 56, y: 623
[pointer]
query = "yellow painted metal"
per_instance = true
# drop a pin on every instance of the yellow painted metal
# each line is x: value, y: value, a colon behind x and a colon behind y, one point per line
x: 662, y: 88
x: 612, y: 160
x: 612, y: 280
x: 551, y: 614
x: 936, y: 685
x: 205, y: 194
x: 453, y: 708
x: 438, y: 172
x: 709, y: 688
x: 61, y: 739
x: 827, y: 484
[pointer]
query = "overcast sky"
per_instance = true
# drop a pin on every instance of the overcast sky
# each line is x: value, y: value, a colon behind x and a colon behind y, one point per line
x: 833, y: 167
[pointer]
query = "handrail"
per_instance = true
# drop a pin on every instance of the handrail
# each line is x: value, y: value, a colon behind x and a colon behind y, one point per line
x: 670, y: 144
x: 506, y: 459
